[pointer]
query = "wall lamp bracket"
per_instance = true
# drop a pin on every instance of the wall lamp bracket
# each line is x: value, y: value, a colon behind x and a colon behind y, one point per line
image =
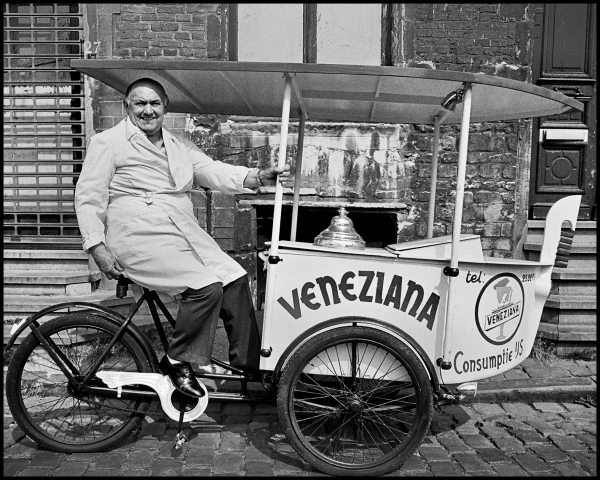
x: 453, y: 99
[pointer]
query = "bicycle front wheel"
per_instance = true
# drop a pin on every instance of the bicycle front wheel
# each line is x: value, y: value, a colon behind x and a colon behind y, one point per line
x: 355, y: 401
x: 56, y: 415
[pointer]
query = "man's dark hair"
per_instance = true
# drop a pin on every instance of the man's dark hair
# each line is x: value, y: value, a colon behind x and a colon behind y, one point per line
x: 148, y: 81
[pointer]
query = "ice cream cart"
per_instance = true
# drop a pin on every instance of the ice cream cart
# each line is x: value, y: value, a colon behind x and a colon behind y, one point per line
x: 360, y: 342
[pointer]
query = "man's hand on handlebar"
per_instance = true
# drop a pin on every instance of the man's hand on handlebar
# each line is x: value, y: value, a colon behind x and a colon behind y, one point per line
x: 268, y: 176
x: 106, y: 262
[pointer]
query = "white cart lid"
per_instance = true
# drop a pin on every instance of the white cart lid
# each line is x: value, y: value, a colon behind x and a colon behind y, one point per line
x: 349, y: 93
x: 427, y: 242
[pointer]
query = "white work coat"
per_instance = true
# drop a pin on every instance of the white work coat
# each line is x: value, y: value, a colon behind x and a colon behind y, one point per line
x: 135, y: 199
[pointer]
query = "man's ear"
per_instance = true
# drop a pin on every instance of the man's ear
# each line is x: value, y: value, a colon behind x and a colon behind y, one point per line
x: 125, y: 104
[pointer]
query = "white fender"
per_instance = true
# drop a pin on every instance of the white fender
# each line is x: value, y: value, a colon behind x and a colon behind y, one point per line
x: 161, y: 384
x: 565, y: 209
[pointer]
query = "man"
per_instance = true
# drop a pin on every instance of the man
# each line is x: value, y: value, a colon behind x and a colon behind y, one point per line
x: 136, y: 219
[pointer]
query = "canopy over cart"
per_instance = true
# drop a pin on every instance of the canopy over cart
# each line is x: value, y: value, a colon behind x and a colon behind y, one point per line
x: 341, y: 93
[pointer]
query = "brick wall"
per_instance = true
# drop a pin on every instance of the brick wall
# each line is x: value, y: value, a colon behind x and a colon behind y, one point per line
x: 394, y: 165
x: 495, y: 39
x: 149, y: 31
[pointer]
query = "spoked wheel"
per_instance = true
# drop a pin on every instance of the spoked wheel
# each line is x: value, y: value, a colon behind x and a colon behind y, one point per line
x: 355, y: 401
x: 64, y: 417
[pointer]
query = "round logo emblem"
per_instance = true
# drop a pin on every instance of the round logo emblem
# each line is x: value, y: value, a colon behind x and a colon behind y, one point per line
x: 499, y: 308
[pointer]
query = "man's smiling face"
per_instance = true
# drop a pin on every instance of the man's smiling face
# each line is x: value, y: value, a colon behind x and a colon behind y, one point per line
x: 146, y: 109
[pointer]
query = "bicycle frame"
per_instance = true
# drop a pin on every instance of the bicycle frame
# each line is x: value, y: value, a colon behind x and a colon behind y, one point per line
x: 152, y: 299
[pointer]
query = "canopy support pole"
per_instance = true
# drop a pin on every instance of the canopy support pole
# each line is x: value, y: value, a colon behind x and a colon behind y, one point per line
x: 433, y: 186
x: 273, y: 258
x: 297, y: 174
x: 452, y: 272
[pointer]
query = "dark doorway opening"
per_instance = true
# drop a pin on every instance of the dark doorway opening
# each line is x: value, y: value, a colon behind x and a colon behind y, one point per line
x: 378, y: 228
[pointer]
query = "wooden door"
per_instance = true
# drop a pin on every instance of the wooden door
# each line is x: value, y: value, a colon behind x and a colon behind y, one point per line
x: 563, y: 159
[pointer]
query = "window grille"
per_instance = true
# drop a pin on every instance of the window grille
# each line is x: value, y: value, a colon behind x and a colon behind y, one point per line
x: 44, y: 132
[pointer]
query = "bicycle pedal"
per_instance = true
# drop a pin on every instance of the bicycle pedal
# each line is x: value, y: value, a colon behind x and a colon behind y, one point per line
x: 180, y: 439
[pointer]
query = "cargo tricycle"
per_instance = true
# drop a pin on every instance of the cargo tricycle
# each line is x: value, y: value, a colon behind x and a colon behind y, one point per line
x: 358, y: 343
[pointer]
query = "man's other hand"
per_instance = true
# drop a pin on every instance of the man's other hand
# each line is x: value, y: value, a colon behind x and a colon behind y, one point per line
x: 106, y: 262
x: 268, y: 176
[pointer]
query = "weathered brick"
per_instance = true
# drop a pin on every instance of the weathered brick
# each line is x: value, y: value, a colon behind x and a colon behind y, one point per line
x: 567, y: 443
x: 471, y: 462
x: 200, y: 456
x: 519, y: 410
x: 139, y: 460
x: 44, y: 458
x: 493, y: 455
x: 454, y: 444
x: 223, y: 217
x: 571, y: 469
x: 531, y: 463
x: 509, y: 171
x: 476, y: 441
x: 192, y: 27
x: 258, y: 469
x: 138, y: 52
x: 165, y: 17
x: 586, y: 459
x: 196, y: 471
x: 449, y: 468
x: 164, y: 27
x: 167, y: 467
x: 228, y: 462
x: 201, y: 7
x: 503, y: 243
x: 110, y: 460
x: 509, y: 444
x: 549, y: 453
x: 111, y: 109
x: 130, y: 17
x: 199, y: 19
x: 213, y: 29
x: 491, y: 170
x: 154, y: 52
x: 70, y: 469
x: 165, y: 43
x: 434, y: 454
x: 137, y: 8
x: 509, y: 470
x: 414, y: 465
x: 132, y: 43
x: 166, y: 8
x: 488, y: 409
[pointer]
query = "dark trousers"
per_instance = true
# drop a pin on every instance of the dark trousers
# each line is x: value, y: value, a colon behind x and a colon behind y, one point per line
x: 196, y: 324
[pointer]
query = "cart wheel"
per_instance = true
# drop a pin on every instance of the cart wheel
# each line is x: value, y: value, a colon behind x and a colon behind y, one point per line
x: 355, y: 401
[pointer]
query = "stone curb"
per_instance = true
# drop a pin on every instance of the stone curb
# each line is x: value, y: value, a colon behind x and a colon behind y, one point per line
x: 534, y: 390
x: 554, y: 393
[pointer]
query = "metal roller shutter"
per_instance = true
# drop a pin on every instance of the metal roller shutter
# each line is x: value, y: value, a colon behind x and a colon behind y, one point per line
x: 44, y: 133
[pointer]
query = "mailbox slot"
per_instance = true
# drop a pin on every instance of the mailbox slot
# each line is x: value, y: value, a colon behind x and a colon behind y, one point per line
x: 564, y: 134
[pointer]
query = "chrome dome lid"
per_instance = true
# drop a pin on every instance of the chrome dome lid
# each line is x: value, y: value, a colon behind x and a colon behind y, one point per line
x: 340, y: 233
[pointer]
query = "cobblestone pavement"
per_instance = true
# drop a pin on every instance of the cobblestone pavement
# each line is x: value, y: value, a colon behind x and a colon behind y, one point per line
x: 232, y: 438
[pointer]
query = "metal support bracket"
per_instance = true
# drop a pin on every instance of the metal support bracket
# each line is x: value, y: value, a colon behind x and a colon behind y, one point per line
x: 444, y: 365
x: 266, y: 352
x: 451, y: 272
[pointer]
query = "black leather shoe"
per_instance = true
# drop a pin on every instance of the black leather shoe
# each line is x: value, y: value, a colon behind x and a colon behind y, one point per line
x: 182, y: 376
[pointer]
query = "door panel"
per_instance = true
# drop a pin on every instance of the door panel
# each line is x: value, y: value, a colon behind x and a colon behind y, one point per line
x: 563, y: 162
